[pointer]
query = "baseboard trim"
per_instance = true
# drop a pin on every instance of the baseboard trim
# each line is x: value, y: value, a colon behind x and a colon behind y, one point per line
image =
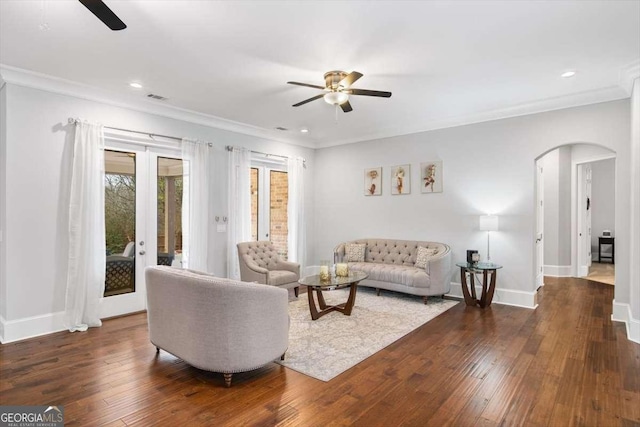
x: 557, y: 270
x: 30, y: 327
x: 622, y: 313
x: 502, y: 296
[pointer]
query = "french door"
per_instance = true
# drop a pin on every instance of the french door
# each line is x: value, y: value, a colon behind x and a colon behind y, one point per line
x: 142, y: 220
x: 269, y: 199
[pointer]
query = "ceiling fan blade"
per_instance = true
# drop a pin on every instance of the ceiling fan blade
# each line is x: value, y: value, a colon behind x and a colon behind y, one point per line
x: 368, y: 92
x: 103, y: 13
x: 308, y: 100
x: 346, y: 107
x: 306, y: 84
x: 350, y: 79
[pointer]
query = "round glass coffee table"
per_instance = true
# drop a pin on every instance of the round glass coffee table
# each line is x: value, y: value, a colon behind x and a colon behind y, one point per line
x: 314, y: 284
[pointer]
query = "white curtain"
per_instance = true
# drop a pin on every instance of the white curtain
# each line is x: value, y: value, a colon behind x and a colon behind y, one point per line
x: 197, y: 160
x: 239, y: 206
x: 87, y: 247
x: 297, y: 239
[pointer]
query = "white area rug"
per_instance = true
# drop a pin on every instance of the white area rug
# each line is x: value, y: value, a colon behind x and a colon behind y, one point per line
x: 326, y: 347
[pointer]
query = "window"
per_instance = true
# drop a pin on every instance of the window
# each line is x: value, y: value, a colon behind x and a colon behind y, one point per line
x: 269, y: 198
x: 169, y: 182
x: 120, y: 221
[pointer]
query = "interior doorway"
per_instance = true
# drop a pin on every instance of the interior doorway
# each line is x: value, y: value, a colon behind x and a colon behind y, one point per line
x: 575, y: 212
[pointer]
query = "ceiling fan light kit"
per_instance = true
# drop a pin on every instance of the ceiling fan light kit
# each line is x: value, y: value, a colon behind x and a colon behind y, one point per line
x: 338, y: 88
x: 336, y: 98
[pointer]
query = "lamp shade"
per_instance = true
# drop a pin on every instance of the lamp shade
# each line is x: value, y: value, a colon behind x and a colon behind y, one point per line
x: 489, y: 223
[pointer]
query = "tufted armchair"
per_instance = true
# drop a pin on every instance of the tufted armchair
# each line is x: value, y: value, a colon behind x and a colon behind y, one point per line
x: 260, y: 262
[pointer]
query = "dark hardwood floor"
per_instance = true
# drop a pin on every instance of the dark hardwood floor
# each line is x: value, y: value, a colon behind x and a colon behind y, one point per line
x: 563, y: 364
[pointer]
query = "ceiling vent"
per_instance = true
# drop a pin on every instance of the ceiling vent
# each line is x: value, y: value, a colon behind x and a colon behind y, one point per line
x: 281, y: 128
x: 158, y: 97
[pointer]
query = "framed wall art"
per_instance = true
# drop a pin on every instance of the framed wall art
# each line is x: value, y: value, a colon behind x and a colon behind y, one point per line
x: 373, y: 181
x: 431, y: 177
x: 401, y: 179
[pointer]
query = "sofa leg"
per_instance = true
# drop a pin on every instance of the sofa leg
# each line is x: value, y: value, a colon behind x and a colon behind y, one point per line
x: 282, y: 357
x: 425, y: 300
x: 296, y: 291
x: 227, y: 379
x: 377, y: 291
x: 157, y: 350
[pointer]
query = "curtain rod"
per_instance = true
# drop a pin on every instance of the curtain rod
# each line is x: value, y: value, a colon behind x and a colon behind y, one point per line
x: 230, y: 148
x: 149, y: 134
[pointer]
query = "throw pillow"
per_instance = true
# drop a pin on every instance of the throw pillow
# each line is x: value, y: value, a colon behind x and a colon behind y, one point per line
x: 354, y: 252
x: 423, y: 256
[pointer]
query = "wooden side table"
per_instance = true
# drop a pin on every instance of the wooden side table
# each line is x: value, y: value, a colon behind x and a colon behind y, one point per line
x: 489, y: 272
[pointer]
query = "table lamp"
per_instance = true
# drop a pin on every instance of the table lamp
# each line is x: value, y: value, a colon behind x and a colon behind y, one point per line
x: 488, y: 223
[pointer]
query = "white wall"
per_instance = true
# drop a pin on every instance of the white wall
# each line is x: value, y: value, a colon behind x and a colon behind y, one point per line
x: 602, y: 203
x: 3, y: 170
x: 557, y: 211
x: 564, y: 204
x: 550, y: 170
x: 38, y: 148
x: 488, y: 167
x: 632, y: 315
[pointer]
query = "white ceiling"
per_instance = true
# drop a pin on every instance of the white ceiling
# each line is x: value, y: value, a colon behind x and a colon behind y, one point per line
x: 447, y: 63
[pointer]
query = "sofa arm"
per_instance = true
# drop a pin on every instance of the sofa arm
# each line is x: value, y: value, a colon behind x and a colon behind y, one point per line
x: 439, y: 270
x: 338, y: 253
x: 251, y: 272
x: 294, y: 267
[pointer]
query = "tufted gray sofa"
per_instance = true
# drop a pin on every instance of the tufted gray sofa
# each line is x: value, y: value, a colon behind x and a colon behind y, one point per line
x: 216, y: 324
x: 390, y: 265
x: 260, y: 262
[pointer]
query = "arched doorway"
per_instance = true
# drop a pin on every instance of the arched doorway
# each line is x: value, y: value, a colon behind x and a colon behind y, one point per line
x: 565, y: 234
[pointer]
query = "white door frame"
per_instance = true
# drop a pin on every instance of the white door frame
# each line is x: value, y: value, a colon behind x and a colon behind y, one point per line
x: 575, y: 234
x: 539, y: 242
x: 146, y: 223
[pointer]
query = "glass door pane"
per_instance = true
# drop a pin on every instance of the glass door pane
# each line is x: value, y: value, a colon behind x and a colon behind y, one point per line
x: 169, y: 210
x: 120, y: 222
x: 279, y: 197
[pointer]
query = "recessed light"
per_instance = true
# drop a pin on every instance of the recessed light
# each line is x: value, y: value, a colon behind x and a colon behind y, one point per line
x: 568, y: 74
x: 135, y: 85
x: 304, y: 130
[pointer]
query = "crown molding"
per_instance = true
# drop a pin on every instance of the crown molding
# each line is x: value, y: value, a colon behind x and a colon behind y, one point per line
x: 34, y: 80
x: 26, y: 78
x: 628, y: 75
x: 611, y: 93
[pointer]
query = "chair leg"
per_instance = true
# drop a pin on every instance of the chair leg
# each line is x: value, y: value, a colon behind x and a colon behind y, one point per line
x: 227, y: 379
x: 296, y: 292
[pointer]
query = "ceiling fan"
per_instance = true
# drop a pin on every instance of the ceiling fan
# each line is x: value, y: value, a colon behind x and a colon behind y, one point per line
x: 338, y: 88
x: 103, y: 13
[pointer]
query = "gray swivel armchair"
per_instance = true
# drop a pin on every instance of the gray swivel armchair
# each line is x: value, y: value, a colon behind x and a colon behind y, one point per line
x: 260, y: 262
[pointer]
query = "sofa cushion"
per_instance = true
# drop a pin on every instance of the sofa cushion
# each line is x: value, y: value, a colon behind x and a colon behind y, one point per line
x: 423, y: 256
x: 282, y: 277
x: 354, y: 252
x: 409, y: 276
